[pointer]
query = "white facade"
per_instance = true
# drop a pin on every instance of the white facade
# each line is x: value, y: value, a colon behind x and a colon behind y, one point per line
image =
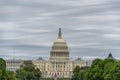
x: 13, y: 65
x: 58, y: 68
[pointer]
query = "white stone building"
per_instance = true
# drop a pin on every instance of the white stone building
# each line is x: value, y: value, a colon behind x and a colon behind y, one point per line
x: 13, y: 64
x: 59, y: 64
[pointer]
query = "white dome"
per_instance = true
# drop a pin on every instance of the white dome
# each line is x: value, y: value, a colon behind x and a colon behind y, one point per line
x: 59, y: 48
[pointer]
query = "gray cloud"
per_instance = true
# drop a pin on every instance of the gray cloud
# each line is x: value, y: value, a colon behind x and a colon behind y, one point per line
x: 91, y: 28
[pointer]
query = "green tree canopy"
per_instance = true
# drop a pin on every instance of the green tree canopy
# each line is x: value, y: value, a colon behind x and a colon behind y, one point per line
x: 108, y: 69
x: 11, y: 75
x: 3, y: 74
x: 28, y: 71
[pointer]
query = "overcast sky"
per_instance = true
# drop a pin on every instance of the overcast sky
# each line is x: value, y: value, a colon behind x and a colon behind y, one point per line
x: 28, y: 28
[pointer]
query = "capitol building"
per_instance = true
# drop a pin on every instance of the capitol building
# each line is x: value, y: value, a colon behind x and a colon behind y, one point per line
x: 59, y: 64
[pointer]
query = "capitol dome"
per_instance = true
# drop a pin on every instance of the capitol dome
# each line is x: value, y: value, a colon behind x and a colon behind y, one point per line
x: 59, y: 48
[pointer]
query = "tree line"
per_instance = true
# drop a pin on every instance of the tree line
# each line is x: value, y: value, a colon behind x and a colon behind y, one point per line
x: 107, y: 69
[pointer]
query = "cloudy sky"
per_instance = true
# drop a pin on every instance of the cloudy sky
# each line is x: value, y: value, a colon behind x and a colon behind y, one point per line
x: 28, y: 28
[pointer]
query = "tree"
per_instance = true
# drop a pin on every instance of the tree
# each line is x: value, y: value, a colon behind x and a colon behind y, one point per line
x: 107, y: 69
x: 114, y: 72
x: 28, y: 71
x: 76, y: 73
x: 11, y: 75
x: 3, y: 74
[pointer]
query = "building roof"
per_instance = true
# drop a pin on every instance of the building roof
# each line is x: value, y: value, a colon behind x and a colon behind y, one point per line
x: 110, y: 55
